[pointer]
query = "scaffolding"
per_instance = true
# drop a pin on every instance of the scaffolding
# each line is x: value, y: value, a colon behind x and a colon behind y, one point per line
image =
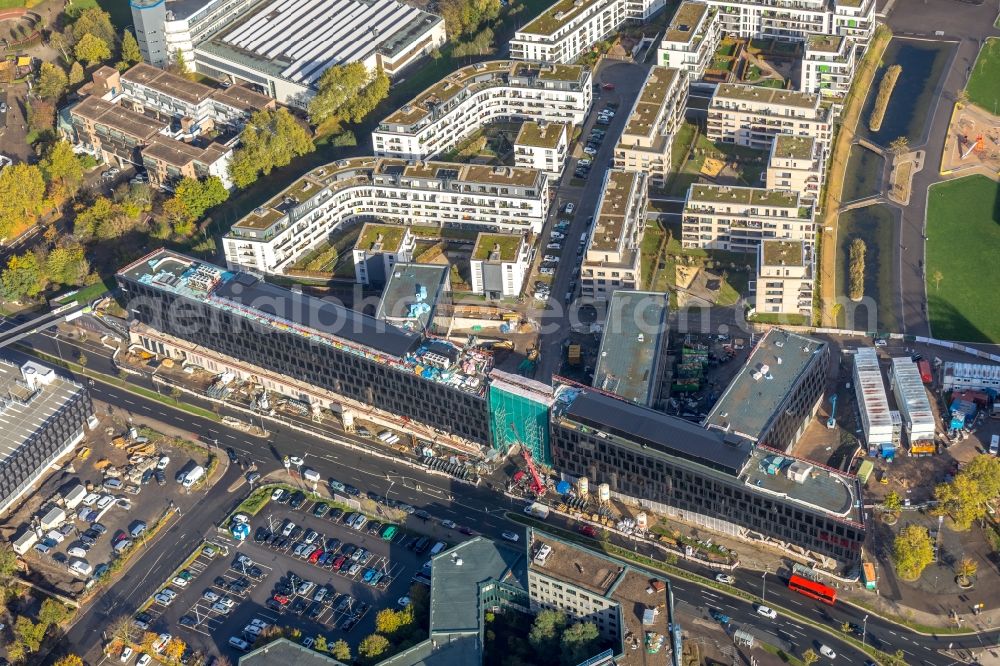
x: 519, y: 415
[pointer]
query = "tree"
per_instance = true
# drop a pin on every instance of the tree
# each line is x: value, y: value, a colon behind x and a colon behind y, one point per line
x: 365, y: 101
x: 389, y: 621
x: 8, y: 563
x: 82, y: 359
x: 893, y: 503
x: 76, y: 73
x: 197, y: 196
x: 178, y: 64
x: 22, y: 193
x: 546, y: 629
x: 121, y: 629
x: 966, y: 498
x: 16, y: 652
x: 336, y: 86
x: 373, y: 646
x: 271, y: 139
x: 809, y: 657
x: 52, y: 612
x: 464, y: 17
x: 857, y: 269
x: 29, y: 633
x: 52, y: 82
x: 67, y: 265
x: 131, y: 54
x: 63, y: 170
x: 69, y: 660
x: 578, y: 643
x: 179, y: 217
x: 966, y: 569
x: 937, y: 277
x: 845, y: 627
x: 41, y: 115
x: 900, y: 145
x: 319, y: 644
x: 91, y: 49
x: 22, y: 277
x: 174, y: 649
x: 96, y: 22
x: 912, y: 551
x: 341, y: 651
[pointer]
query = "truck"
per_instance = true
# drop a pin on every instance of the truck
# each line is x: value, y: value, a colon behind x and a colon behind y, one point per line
x: 193, y: 476
x: 537, y: 510
x: 925, y: 371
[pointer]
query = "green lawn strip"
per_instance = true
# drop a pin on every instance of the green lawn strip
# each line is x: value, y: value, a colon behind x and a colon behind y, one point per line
x: 89, y: 293
x: 114, y: 381
x: 261, y: 495
x: 789, y: 319
x: 963, y: 232
x: 780, y: 654
x: 667, y: 568
x: 984, y: 83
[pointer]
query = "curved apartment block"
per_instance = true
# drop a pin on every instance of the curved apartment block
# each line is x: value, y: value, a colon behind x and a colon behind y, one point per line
x: 443, y: 115
x: 394, y: 191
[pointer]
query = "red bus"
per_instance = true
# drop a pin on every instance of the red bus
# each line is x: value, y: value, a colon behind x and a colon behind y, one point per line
x: 811, y: 588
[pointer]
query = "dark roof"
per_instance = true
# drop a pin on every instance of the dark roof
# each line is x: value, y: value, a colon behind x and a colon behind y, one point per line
x: 323, y: 316
x: 282, y: 652
x: 667, y: 434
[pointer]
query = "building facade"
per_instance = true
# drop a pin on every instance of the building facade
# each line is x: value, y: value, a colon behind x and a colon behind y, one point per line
x: 510, y: 199
x: 543, y: 146
x: 751, y: 116
x: 828, y: 65
x: 611, y: 259
x: 162, y: 28
x: 442, y: 116
x: 784, y: 278
x: 657, y: 114
x: 797, y: 164
x: 691, y: 39
x: 738, y: 219
x: 380, y: 247
x: 797, y: 19
x: 498, y: 264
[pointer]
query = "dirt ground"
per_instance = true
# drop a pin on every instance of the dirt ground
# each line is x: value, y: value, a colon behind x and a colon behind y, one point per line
x: 967, y: 126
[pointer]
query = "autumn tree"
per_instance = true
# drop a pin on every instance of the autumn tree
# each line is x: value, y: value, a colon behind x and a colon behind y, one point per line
x: 389, y: 621
x: 319, y: 643
x: 966, y: 568
x: 178, y: 64
x: 8, y: 563
x: 52, y: 612
x: 76, y: 73
x: 63, y: 170
x: 578, y: 642
x: 130, y: 52
x: 809, y: 657
x: 912, y: 551
x: 174, y: 649
x: 464, y: 17
x: 41, y: 115
x: 93, y: 21
x: 341, y: 651
x: 197, y: 196
x: 92, y: 50
x: 900, y: 145
x: 893, y: 503
x: 22, y: 193
x: 22, y: 277
x: 335, y: 88
x: 966, y: 498
x: 52, y: 82
x: 68, y: 266
x: 69, y: 660
x: 373, y: 646
x: 29, y: 633
x: 271, y: 139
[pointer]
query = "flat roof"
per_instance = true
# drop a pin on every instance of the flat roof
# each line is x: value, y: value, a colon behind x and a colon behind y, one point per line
x: 765, y: 96
x: 168, y: 83
x: 497, y: 247
x: 301, y: 40
x: 609, y: 225
x: 412, y: 293
x: 825, y: 43
x: 579, y: 566
x: 868, y: 378
x: 634, y: 336
x: 243, y: 98
x: 911, y: 395
x: 783, y: 252
x: 172, y: 151
x: 988, y: 375
x: 757, y: 393
x: 24, y: 411
x: 558, y: 15
x: 684, y: 25
x: 636, y: 596
x: 651, y: 100
x: 793, y: 146
x: 381, y: 237
x: 821, y: 487
x: 744, y: 196
x: 540, y: 136
x: 640, y: 425
x: 282, y: 652
x: 117, y: 117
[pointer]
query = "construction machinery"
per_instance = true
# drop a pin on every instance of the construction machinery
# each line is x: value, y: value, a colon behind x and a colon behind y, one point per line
x: 537, y: 486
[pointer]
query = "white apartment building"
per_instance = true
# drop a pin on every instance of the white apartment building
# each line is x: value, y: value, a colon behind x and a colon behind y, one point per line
x: 719, y: 217
x: 797, y: 19
x: 691, y: 39
x: 388, y: 190
x: 656, y: 116
x: 828, y: 65
x: 873, y: 405
x: 911, y: 399
x: 164, y: 27
x: 498, y: 264
x: 751, y: 116
x: 612, y: 259
x: 380, y: 247
x: 442, y: 116
x: 564, y: 31
x: 784, y: 277
x: 797, y: 164
x: 543, y: 146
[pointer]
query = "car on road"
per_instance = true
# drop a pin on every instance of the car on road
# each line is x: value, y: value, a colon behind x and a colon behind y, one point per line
x: 295, y: 460
x: 588, y: 530
x: 466, y: 530
x: 608, y: 86
x: 726, y: 579
x: 719, y: 616
x: 766, y: 611
x: 253, y: 477
x: 511, y: 536
x: 569, y: 208
x: 551, y: 258
x: 554, y: 246
x: 126, y: 654
x: 231, y: 452
x: 827, y: 651
x: 351, y: 490
x: 450, y: 524
x: 589, y: 150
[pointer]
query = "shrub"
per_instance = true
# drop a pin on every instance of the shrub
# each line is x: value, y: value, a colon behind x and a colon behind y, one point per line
x: 857, y: 270
x: 882, y: 100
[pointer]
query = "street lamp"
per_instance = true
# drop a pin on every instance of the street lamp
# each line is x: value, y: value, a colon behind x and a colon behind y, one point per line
x: 864, y: 629
x: 763, y: 585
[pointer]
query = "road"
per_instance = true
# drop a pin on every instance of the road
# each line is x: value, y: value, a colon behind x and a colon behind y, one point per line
x: 477, y: 507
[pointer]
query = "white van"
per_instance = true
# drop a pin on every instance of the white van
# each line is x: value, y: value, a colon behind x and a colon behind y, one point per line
x: 995, y: 445
x: 438, y: 547
x: 193, y: 476
x: 543, y: 554
x: 310, y: 475
x: 239, y: 643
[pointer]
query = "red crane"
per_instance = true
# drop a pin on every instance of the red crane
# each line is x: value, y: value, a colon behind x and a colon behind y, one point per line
x: 537, y: 485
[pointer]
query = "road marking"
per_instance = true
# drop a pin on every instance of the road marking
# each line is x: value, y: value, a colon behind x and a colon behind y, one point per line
x: 797, y: 603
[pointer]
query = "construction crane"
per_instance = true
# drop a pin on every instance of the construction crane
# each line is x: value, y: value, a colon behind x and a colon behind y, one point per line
x: 537, y: 485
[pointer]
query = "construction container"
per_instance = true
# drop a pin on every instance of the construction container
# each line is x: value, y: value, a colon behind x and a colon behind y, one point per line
x: 583, y: 486
x: 604, y: 492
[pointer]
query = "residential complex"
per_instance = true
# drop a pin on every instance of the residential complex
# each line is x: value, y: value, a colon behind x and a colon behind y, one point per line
x: 657, y: 114
x: 691, y: 39
x: 632, y: 359
x: 797, y: 164
x: 543, y: 146
x: 751, y: 116
x: 784, y: 277
x: 297, y: 219
x: 828, y: 65
x: 567, y: 29
x: 379, y: 247
x: 738, y: 219
x: 439, y: 118
x: 797, y: 19
x: 612, y: 259
x: 873, y: 405
x: 42, y: 417
x: 777, y: 391
x: 911, y: 400
x: 498, y: 264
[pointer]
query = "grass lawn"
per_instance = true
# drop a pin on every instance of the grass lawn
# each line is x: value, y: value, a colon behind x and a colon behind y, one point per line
x: 984, y: 84
x: 963, y: 232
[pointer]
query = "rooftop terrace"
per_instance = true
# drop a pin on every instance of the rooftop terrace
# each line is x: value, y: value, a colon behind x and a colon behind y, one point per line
x: 794, y: 147
x: 783, y: 253
x: 128, y: 122
x: 742, y: 196
x: 171, y: 84
x: 558, y: 15
x: 319, y: 321
x: 497, y: 247
x: 540, y: 136
x: 825, y: 43
x: 809, y: 483
x: 772, y: 97
x: 634, y: 336
x: 757, y: 393
x: 381, y: 237
x: 684, y: 25
x: 651, y: 101
x: 579, y: 566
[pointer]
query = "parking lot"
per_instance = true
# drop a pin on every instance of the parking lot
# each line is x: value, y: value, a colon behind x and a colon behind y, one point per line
x: 334, y: 590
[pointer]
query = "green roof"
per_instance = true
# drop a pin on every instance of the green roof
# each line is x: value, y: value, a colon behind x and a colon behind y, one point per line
x: 826, y: 43
x: 743, y: 195
x: 560, y: 72
x: 556, y: 16
x: 533, y: 134
x: 795, y: 147
x: 767, y: 96
x: 391, y: 237
x: 651, y: 100
x: 685, y: 21
x: 782, y: 253
x: 485, y: 243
